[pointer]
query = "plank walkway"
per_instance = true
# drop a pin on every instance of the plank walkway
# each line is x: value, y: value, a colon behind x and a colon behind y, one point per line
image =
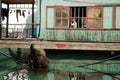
x: 60, y: 45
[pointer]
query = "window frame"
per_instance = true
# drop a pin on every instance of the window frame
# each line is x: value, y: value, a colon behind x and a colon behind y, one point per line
x: 87, y: 18
x: 87, y: 26
x: 81, y: 9
x: 61, y: 18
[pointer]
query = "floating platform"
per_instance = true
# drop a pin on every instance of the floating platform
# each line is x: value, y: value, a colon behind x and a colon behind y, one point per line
x: 17, y: 43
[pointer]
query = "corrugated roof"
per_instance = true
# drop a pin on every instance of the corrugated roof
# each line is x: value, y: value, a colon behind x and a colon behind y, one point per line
x: 18, y: 1
x: 70, y: 3
x: 88, y: 2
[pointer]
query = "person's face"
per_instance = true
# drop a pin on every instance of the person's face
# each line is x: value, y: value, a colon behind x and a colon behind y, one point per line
x: 73, y: 20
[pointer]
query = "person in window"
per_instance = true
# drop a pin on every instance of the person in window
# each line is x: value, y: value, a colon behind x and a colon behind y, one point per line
x: 73, y: 23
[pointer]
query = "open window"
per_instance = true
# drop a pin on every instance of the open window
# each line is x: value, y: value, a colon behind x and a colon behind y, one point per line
x: 79, y: 14
x: 85, y: 17
x: 94, y: 17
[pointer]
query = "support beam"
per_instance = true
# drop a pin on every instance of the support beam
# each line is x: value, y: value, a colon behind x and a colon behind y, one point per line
x: 32, y: 20
x: 0, y: 20
x: 7, y: 22
x: 18, y: 1
x: 39, y: 16
x: 62, y: 45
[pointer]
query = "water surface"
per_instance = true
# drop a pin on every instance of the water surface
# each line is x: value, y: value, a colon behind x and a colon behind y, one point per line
x: 64, y: 65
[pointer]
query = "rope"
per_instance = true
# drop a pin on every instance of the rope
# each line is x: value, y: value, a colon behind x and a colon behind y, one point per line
x: 100, y: 61
x: 5, y: 55
x: 17, y: 60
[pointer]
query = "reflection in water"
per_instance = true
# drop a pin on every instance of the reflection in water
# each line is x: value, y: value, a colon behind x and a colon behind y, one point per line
x: 25, y: 75
x: 17, y: 75
x: 63, y: 69
x: 43, y: 75
x: 38, y: 75
x: 56, y: 75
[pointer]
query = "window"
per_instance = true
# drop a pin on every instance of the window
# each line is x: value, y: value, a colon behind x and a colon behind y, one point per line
x: 94, y: 18
x: 61, y: 17
x: 79, y: 14
x: 85, y: 17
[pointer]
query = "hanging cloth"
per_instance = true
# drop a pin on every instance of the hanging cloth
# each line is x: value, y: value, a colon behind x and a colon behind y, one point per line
x: 18, y: 12
x: 4, y: 13
x: 28, y: 12
x: 10, y: 11
x: 23, y: 13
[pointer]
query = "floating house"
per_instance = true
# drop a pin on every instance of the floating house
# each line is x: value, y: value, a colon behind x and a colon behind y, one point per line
x: 97, y: 20
x: 97, y: 27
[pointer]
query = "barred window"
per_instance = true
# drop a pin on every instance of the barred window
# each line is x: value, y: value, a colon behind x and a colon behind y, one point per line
x: 79, y: 14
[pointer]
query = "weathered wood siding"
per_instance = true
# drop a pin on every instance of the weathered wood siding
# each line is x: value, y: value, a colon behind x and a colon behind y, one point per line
x: 83, y: 35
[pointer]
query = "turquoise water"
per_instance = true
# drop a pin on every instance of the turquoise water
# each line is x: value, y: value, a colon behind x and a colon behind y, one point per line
x: 63, y: 66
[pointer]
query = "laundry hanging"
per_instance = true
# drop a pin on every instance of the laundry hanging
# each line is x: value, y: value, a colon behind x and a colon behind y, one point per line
x: 28, y: 12
x: 18, y: 12
x: 10, y: 11
x: 23, y: 13
x: 4, y: 13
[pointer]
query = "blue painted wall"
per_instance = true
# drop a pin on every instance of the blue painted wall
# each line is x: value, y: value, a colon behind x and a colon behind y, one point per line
x: 107, y: 17
x: 118, y: 17
x: 50, y: 18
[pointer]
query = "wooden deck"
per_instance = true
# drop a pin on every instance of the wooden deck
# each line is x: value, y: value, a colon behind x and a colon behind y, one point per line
x: 60, y: 45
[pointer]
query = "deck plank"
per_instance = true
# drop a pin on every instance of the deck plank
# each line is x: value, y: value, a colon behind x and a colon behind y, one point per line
x: 61, y: 45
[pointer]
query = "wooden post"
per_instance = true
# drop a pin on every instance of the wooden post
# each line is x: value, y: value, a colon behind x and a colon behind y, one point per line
x: 114, y: 17
x: 39, y: 16
x: 19, y: 51
x: 32, y: 20
x: 0, y: 20
x: 7, y: 22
